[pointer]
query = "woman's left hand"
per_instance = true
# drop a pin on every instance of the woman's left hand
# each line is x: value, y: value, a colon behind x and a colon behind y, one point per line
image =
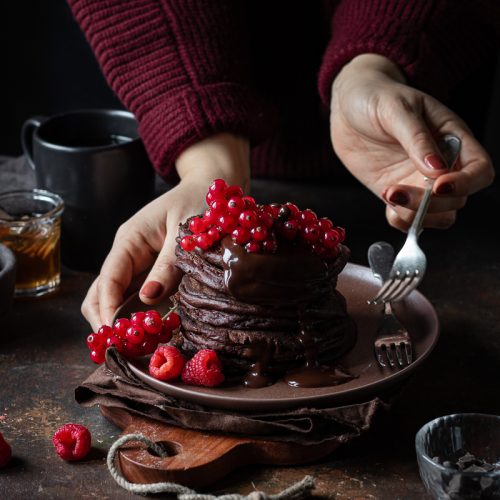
x: 385, y: 134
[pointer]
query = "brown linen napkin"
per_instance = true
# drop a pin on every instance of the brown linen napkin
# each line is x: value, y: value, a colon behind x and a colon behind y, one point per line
x: 114, y: 385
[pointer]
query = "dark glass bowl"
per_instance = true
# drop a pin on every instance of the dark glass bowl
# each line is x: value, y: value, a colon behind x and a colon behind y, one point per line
x: 446, y: 470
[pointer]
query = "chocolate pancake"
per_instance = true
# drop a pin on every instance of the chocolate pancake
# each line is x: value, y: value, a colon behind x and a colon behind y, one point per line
x: 279, y: 307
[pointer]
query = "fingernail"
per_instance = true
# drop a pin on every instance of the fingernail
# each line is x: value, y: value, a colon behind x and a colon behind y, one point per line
x: 399, y: 198
x: 445, y: 188
x: 152, y: 290
x: 435, y: 162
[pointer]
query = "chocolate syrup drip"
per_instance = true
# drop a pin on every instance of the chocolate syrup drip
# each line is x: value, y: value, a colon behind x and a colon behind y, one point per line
x: 312, y: 374
x: 294, y: 276
x: 256, y: 376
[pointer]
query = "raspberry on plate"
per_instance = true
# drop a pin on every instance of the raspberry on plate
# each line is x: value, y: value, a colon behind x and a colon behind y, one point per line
x: 205, y: 368
x: 166, y: 363
x: 5, y: 452
x: 72, y: 441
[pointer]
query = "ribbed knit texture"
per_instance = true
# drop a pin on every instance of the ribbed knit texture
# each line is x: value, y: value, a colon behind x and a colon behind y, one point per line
x: 185, y: 67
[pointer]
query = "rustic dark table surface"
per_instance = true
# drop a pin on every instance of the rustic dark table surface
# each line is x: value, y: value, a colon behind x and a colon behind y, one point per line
x: 43, y: 357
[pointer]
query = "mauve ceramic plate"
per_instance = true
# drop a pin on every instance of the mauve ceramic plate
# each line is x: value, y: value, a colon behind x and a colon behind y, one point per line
x: 357, y: 285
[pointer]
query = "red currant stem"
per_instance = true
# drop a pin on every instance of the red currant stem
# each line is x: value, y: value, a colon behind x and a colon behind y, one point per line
x: 171, y: 310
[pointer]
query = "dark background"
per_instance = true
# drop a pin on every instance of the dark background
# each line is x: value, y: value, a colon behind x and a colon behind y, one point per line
x: 49, y: 68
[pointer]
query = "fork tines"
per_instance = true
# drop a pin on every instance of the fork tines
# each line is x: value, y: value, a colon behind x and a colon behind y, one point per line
x: 397, y: 288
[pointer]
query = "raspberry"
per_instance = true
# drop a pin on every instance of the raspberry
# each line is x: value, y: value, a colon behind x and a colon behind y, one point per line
x: 205, y: 368
x: 166, y: 363
x: 72, y: 441
x: 5, y: 452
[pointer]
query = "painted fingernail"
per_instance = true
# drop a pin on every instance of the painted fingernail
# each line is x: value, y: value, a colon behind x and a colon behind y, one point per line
x: 445, y: 188
x: 152, y: 290
x: 435, y: 162
x: 399, y: 198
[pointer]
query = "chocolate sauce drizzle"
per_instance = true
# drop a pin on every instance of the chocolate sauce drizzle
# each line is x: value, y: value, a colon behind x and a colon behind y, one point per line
x: 296, y: 276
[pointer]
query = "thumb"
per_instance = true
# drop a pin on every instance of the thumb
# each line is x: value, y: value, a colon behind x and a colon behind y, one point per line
x: 408, y: 127
x: 164, y: 276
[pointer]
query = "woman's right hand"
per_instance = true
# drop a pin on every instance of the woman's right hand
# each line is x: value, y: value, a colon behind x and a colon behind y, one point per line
x: 144, y: 246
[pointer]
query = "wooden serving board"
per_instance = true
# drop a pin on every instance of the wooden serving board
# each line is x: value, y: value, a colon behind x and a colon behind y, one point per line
x: 199, y: 459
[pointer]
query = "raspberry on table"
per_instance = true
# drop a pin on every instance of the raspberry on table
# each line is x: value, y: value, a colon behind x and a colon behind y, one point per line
x: 166, y: 363
x: 205, y: 368
x: 72, y: 442
x: 5, y: 452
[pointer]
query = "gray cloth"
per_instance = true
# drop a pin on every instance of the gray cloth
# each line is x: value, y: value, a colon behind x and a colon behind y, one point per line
x: 15, y: 174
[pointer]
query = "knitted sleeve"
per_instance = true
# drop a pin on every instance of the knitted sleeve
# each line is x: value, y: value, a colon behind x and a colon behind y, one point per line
x: 180, y: 66
x: 436, y: 43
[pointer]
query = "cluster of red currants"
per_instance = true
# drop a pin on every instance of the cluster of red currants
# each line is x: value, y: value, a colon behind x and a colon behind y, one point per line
x: 259, y: 228
x: 133, y: 337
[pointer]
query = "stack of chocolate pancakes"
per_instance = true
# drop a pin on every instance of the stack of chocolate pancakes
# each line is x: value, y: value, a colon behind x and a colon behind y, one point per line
x: 266, y: 315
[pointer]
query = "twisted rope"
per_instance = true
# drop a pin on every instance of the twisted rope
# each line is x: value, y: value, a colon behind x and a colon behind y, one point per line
x: 297, y: 491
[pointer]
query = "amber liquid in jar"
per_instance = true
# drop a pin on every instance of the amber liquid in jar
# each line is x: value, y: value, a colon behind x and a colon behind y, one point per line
x: 36, y: 245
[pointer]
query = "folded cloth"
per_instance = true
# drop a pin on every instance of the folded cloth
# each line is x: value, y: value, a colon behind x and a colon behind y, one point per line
x: 115, y: 385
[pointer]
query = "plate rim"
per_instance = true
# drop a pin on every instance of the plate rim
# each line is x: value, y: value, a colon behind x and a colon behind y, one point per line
x: 202, y: 395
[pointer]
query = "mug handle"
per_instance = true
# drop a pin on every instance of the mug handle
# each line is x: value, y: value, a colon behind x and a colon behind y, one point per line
x: 29, y: 128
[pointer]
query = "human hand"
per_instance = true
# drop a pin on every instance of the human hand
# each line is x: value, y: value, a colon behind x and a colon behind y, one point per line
x: 385, y: 131
x: 144, y: 246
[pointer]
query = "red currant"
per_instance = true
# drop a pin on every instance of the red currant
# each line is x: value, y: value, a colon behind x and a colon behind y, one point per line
x: 172, y: 321
x: 227, y: 223
x: 215, y: 234
x: 259, y: 233
x: 203, y: 241
x: 188, y: 243
x: 115, y: 341
x: 209, y: 217
x: 325, y: 223
x: 249, y: 202
x: 131, y: 350
x: 105, y: 331
x: 165, y: 335
x: 307, y: 216
x: 94, y: 341
x: 152, y: 323
x: 218, y: 206
x: 241, y: 235
x: 294, y: 209
x: 275, y: 209
x: 252, y: 247
x: 197, y: 225
x: 135, y: 334
x: 235, y: 205
x: 98, y: 355
x: 311, y: 232
x: 149, y: 344
x: 289, y: 229
x: 120, y: 327
x: 341, y: 232
x: 136, y: 318
x: 318, y: 249
x: 265, y: 218
x: 330, y: 238
x: 248, y: 219
x: 270, y: 245
x: 233, y: 191
x: 218, y: 188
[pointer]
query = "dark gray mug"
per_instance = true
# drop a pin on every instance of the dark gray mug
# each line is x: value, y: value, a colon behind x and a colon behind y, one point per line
x: 94, y: 160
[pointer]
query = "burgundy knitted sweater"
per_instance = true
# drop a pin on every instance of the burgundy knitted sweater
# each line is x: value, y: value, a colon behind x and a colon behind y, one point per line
x: 264, y: 68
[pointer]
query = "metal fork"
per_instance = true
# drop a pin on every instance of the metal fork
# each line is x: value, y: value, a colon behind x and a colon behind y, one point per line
x: 392, y: 336
x: 410, y: 263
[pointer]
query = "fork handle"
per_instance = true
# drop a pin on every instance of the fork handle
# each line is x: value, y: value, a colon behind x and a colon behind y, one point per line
x: 416, y: 226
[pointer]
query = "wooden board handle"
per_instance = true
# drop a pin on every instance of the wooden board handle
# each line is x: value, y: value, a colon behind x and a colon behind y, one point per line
x: 197, y: 458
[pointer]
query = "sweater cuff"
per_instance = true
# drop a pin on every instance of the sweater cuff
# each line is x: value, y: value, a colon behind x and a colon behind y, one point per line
x: 191, y: 115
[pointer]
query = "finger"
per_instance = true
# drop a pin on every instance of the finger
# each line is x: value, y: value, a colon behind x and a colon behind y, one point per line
x: 404, y: 120
x: 401, y: 219
x: 90, y: 307
x: 164, y: 276
x: 117, y: 272
x: 474, y: 170
x: 409, y: 197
